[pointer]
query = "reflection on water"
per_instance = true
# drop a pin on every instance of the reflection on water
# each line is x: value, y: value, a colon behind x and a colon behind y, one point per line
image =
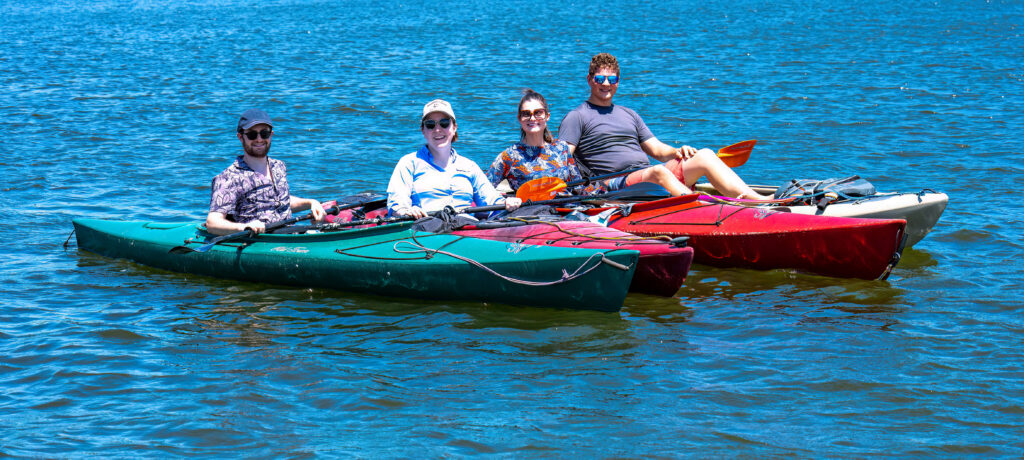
x: 733, y: 285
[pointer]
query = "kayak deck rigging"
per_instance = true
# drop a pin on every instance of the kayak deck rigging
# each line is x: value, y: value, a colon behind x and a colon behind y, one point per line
x: 662, y: 268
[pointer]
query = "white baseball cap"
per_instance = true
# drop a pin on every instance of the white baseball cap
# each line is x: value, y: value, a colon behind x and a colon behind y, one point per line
x: 438, y: 105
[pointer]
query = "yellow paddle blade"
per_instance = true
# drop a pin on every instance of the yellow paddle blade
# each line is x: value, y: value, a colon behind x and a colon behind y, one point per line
x: 543, y: 188
x: 736, y: 154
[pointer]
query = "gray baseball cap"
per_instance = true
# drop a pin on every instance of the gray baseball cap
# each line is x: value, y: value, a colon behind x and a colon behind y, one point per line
x: 253, y: 117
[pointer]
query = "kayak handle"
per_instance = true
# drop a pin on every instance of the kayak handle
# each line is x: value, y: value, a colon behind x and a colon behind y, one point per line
x: 614, y: 263
x: 679, y: 241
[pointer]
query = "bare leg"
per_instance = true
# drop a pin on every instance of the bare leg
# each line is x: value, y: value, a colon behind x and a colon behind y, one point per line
x: 659, y: 174
x: 722, y: 177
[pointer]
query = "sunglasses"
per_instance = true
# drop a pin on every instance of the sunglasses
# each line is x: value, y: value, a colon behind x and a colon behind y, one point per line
x: 526, y: 114
x: 612, y: 79
x: 252, y: 135
x: 431, y: 124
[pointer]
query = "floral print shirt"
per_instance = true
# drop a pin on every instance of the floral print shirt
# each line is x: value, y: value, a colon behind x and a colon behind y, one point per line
x: 243, y: 195
x: 521, y: 163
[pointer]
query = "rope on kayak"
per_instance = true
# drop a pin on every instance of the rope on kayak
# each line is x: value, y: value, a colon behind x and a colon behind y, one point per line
x: 745, y: 202
x: 632, y: 239
x: 429, y: 253
x: 896, y: 256
x: 69, y: 238
x: 718, y: 221
x: 345, y: 251
x: 595, y: 259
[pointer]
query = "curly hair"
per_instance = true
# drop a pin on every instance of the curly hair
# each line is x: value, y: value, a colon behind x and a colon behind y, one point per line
x: 603, y: 60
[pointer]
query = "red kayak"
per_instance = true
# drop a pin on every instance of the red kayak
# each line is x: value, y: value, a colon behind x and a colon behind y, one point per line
x: 661, y: 270
x: 726, y: 235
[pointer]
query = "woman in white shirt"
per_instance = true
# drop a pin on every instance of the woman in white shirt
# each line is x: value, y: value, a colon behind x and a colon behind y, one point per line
x: 436, y: 176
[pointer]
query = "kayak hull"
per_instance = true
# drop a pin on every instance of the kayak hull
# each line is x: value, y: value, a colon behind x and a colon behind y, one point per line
x: 725, y: 235
x: 392, y: 261
x: 920, y: 210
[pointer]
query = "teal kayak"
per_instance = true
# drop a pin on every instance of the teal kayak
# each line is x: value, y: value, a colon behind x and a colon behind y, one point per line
x: 392, y: 260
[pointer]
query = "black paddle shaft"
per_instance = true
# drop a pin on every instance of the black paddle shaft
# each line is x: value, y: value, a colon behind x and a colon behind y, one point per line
x: 248, y: 232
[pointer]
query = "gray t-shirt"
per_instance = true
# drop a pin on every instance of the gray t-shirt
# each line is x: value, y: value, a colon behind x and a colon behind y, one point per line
x: 607, y: 139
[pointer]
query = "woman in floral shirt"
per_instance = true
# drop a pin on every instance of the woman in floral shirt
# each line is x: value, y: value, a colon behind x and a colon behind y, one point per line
x: 537, y: 154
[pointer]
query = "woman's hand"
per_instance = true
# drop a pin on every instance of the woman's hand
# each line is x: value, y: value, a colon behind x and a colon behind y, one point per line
x: 414, y: 211
x: 511, y: 204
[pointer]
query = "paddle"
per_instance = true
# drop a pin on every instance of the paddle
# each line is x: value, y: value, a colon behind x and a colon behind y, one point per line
x: 363, y: 200
x: 472, y: 210
x: 736, y: 154
x: 545, y: 187
x: 244, y: 233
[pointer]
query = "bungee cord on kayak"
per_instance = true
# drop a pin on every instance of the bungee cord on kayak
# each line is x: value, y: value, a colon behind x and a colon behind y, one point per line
x: 414, y: 237
x: 567, y: 233
x: 566, y: 276
x: 428, y: 253
x: 717, y: 222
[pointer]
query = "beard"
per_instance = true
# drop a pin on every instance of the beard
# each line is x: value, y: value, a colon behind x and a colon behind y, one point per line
x: 256, y: 152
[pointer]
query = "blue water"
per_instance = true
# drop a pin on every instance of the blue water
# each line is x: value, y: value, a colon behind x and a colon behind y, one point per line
x: 125, y: 110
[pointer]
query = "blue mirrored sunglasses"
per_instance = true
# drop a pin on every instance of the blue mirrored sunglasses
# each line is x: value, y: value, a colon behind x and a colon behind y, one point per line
x: 612, y: 79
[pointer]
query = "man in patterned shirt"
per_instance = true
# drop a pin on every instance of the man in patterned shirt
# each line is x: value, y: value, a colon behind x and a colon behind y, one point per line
x: 254, y: 190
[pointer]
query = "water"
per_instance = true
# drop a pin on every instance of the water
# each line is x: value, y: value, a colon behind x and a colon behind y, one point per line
x: 126, y: 111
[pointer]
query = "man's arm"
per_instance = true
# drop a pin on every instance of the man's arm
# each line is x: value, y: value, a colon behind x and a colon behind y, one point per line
x: 302, y: 204
x: 218, y: 224
x: 570, y: 130
x: 221, y: 198
x: 663, y: 152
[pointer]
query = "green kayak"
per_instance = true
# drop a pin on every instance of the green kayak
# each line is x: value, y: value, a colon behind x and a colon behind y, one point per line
x: 392, y: 260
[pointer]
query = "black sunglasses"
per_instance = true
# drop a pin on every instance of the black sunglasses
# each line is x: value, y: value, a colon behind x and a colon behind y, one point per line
x: 431, y: 124
x: 266, y: 133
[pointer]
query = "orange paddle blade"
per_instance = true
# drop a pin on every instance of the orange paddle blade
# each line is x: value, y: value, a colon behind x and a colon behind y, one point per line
x: 736, y: 154
x: 543, y: 188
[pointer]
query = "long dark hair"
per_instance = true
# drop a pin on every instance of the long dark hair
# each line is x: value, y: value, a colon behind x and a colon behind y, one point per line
x: 531, y: 95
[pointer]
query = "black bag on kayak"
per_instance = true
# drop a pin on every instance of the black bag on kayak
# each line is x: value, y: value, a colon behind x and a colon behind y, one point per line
x: 533, y: 210
x: 822, y: 192
x: 443, y: 222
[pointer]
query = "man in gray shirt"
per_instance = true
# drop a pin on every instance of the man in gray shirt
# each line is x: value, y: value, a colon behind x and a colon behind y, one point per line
x: 607, y: 138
